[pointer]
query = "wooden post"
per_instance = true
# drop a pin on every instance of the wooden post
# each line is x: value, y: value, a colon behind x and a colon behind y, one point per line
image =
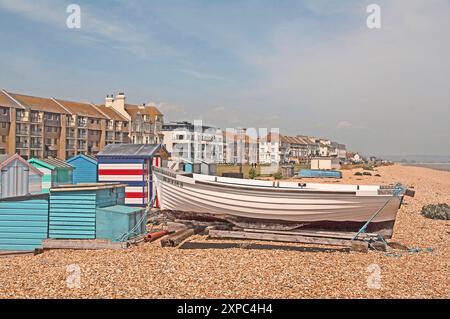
x: 176, y: 239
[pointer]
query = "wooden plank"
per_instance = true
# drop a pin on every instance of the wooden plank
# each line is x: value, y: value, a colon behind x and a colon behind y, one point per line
x: 220, y: 245
x: 82, y: 244
x: 213, y: 233
x: 312, y: 233
x: 4, y: 254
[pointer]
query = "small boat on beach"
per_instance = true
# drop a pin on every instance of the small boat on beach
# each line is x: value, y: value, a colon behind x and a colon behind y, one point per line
x: 278, y: 205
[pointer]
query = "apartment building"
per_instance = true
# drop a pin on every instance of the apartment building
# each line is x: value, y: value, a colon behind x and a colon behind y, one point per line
x: 240, y: 146
x: 294, y: 149
x: 54, y: 128
x: 146, y: 120
x: 193, y: 142
x: 270, y: 149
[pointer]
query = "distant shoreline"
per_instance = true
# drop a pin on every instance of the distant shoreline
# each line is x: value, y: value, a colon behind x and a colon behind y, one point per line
x: 435, y: 166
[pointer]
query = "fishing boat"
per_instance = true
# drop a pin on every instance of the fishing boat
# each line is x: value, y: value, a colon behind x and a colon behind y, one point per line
x: 278, y: 205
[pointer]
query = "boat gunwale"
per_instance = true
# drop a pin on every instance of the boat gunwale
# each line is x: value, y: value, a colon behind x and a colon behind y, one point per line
x: 273, y: 188
x: 174, y: 176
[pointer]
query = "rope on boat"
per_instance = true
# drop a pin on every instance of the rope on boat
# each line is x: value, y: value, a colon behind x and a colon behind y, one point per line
x: 398, y: 190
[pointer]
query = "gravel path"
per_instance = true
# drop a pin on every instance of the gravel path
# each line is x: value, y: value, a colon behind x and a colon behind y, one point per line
x: 149, y: 271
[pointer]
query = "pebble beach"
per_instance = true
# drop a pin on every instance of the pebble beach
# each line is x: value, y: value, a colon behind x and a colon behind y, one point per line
x: 149, y: 271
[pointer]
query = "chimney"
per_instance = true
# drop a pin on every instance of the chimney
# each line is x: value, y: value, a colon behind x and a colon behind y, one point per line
x: 119, y: 105
x: 109, y: 101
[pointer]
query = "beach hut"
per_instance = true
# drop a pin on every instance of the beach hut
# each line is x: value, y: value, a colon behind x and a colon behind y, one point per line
x: 18, y: 177
x: 190, y: 167
x: 325, y: 163
x: 287, y: 171
x: 132, y: 164
x: 23, y: 222
x: 94, y: 211
x: 208, y: 168
x: 85, y: 169
x: 56, y: 172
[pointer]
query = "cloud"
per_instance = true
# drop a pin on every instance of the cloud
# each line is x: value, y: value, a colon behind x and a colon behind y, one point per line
x: 347, y: 125
x: 393, y: 80
x: 205, y: 76
x: 344, y: 125
x: 112, y: 32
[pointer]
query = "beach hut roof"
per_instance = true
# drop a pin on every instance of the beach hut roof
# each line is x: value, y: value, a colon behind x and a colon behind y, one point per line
x: 132, y: 150
x: 91, y: 159
x: 6, y: 159
x: 52, y: 163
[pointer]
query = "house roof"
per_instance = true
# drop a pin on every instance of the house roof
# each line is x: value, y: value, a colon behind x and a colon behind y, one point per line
x: 111, y: 113
x: 39, y: 103
x: 82, y: 109
x: 51, y: 163
x: 276, y: 137
x: 6, y: 101
x: 5, y: 160
x: 293, y: 140
x: 325, y: 158
x: 85, y: 157
x: 132, y: 150
x: 233, y: 136
x: 147, y: 109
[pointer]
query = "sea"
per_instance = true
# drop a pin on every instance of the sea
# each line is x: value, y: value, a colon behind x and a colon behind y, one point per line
x: 435, y: 166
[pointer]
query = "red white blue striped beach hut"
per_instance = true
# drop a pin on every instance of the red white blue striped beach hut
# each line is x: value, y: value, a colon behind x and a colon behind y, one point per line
x: 132, y: 164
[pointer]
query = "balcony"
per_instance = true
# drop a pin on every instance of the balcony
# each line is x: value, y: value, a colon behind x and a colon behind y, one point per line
x: 22, y: 119
x: 36, y: 119
x: 109, y: 137
x: 21, y: 145
x: 5, y: 118
x: 22, y: 132
x: 36, y: 132
x: 109, y: 127
x: 71, y: 123
x: 94, y: 126
x: 82, y: 124
x: 53, y: 122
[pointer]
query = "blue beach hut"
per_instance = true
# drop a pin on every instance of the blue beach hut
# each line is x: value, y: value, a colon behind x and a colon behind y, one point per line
x: 85, y: 169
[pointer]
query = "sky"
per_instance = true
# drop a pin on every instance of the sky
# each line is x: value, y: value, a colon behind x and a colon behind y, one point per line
x: 305, y: 67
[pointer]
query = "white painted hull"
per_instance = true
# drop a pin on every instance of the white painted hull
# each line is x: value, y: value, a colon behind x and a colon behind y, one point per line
x: 286, y: 203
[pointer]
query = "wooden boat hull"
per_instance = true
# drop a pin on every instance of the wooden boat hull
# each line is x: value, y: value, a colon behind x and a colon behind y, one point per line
x: 275, y: 207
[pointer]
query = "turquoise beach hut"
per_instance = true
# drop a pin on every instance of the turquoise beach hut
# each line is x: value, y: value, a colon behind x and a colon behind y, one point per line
x: 56, y: 172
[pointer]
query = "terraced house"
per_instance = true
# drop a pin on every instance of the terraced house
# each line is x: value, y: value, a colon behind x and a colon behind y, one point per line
x: 36, y: 127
